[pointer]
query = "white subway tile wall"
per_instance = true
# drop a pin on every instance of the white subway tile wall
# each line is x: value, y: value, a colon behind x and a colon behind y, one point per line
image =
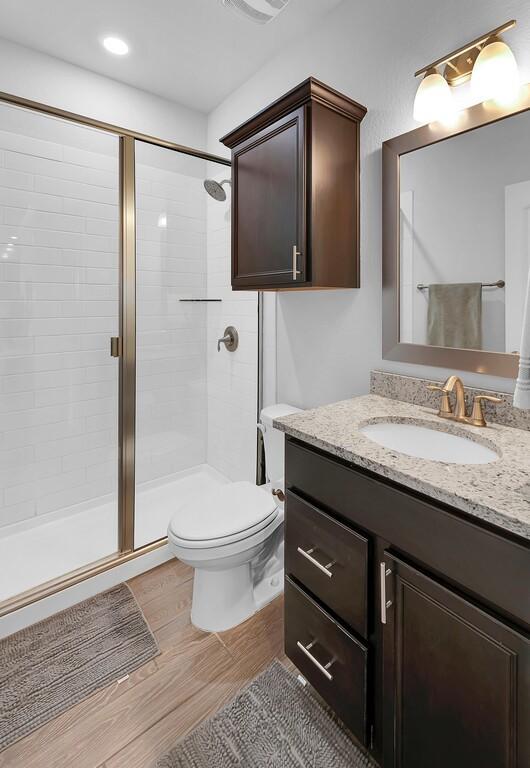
x: 232, y: 376
x: 58, y: 308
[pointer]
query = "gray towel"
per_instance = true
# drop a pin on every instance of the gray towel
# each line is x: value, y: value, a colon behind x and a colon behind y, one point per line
x: 454, y: 318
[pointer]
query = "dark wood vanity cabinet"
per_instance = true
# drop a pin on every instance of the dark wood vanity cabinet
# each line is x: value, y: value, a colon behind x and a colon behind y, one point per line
x: 458, y: 678
x: 295, y: 192
x: 419, y: 639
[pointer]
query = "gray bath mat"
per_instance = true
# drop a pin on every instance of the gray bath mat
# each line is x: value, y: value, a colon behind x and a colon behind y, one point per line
x: 274, y: 723
x: 52, y: 665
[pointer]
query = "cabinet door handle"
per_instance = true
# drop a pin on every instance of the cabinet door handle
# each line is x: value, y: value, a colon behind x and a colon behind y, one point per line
x: 323, y: 668
x: 383, y: 573
x: 296, y: 253
x: 308, y: 556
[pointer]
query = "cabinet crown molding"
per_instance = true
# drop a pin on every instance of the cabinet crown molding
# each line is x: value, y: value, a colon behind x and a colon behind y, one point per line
x: 309, y: 90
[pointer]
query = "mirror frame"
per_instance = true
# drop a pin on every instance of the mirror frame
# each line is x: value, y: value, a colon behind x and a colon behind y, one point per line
x: 493, y: 363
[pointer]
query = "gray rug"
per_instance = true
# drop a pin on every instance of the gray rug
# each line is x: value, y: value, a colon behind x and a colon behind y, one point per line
x: 52, y: 665
x: 274, y: 723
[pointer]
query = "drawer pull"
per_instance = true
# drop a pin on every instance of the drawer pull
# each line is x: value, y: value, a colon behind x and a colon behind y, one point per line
x: 308, y: 556
x: 323, y: 668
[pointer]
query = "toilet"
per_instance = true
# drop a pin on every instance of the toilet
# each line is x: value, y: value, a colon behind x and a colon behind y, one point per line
x: 233, y: 538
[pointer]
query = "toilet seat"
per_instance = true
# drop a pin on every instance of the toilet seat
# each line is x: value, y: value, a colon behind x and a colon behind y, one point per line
x: 229, y: 514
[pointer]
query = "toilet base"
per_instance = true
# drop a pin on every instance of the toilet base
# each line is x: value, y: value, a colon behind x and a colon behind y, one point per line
x: 224, y: 599
x: 268, y: 589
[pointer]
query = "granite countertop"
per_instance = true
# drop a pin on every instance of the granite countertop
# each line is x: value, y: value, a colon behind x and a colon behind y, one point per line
x: 498, y: 493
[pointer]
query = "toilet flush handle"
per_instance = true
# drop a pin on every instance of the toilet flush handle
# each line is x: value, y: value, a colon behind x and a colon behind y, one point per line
x: 280, y: 495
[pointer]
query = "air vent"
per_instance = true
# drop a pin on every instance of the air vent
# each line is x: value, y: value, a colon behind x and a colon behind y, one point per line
x: 259, y: 11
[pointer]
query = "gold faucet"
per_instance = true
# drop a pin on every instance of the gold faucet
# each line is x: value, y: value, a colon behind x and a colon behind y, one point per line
x: 454, y: 384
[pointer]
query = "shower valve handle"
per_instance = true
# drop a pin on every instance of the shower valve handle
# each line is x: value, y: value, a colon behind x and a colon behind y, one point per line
x: 224, y: 340
x: 230, y: 339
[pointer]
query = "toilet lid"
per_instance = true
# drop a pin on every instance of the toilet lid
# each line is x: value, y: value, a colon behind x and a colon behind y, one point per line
x: 234, y: 508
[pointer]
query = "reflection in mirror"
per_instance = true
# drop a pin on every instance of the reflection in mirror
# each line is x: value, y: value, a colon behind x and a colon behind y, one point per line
x: 465, y: 238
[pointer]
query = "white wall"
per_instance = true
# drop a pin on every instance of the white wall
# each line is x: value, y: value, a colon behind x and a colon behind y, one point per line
x: 329, y: 341
x: 36, y: 76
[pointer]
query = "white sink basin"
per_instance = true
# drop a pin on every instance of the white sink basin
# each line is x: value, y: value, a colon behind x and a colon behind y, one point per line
x: 426, y: 443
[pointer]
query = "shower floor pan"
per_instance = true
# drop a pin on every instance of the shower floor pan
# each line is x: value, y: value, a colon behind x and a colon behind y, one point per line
x: 41, y: 549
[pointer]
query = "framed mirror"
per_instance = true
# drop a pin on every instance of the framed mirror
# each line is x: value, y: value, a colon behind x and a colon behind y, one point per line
x: 456, y: 240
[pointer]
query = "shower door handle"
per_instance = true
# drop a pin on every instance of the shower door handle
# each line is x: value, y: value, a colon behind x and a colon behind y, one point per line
x: 296, y: 253
x: 115, y: 346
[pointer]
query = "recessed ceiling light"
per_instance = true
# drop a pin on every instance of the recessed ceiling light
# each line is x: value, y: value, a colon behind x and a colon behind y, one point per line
x: 116, y: 45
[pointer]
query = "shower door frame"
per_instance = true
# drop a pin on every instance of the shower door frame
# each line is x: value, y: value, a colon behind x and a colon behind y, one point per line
x: 126, y: 347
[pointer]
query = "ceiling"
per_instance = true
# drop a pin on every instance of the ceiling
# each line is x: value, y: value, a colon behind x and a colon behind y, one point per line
x: 191, y: 51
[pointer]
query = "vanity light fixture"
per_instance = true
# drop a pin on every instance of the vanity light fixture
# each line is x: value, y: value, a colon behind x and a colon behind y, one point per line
x: 495, y: 74
x: 434, y: 100
x: 487, y: 61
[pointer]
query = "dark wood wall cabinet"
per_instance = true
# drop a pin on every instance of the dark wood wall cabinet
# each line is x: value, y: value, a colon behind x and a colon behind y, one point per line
x: 409, y: 618
x: 295, y: 192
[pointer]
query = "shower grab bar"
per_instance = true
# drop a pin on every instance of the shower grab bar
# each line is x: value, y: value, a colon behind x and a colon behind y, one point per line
x: 498, y: 284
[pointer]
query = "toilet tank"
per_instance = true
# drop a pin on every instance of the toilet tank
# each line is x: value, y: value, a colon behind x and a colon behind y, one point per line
x: 274, y: 440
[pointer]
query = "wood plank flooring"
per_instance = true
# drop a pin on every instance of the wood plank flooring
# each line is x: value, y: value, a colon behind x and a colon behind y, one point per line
x: 130, y: 724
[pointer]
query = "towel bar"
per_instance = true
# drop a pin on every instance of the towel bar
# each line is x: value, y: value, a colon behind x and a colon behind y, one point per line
x: 498, y: 284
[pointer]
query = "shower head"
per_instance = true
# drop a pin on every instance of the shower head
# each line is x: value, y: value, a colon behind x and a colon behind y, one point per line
x: 215, y: 188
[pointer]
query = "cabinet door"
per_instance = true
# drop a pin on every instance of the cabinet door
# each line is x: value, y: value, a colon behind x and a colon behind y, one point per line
x: 456, y: 680
x: 268, y: 206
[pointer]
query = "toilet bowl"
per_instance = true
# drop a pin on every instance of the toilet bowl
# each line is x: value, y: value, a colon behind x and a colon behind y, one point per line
x: 233, y: 538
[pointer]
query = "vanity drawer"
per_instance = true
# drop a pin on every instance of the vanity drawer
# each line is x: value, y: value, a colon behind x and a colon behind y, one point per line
x: 331, y: 659
x: 492, y: 567
x: 329, y: 559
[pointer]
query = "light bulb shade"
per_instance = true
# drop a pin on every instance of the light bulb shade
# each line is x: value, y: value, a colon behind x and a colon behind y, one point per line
x: 495, y: 74
x: 434, y: 100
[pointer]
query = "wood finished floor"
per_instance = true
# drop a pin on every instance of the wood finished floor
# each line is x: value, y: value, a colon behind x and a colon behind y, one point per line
x: 130, y: 724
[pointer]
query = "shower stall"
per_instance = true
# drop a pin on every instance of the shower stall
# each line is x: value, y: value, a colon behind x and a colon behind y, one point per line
x: 115, y: 403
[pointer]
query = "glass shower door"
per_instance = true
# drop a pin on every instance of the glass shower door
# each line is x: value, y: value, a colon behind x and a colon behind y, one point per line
x: 59, y: 304
x: 171, y: 410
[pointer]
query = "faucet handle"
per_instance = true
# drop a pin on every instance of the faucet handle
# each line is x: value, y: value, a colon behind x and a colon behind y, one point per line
x: 446, y: 410
x: 477, y: 413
